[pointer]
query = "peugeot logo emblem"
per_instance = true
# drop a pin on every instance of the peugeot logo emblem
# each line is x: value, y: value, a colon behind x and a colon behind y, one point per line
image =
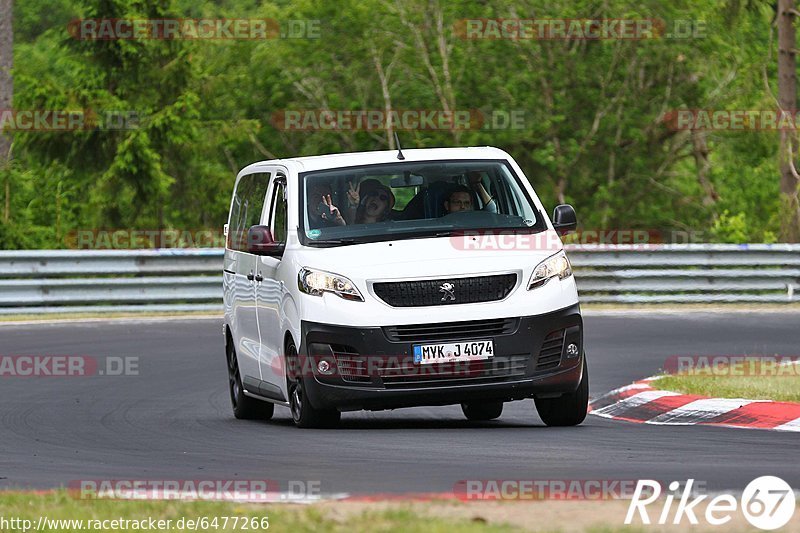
x: 447, y: 290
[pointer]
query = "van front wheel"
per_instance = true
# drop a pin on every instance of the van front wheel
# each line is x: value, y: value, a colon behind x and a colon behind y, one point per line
x: 567, y: 409
x: 244, y: 407
x: 304, y: 414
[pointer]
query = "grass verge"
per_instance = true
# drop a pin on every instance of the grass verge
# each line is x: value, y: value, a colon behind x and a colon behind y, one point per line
x: 59, y: 508
x: 783, y: 386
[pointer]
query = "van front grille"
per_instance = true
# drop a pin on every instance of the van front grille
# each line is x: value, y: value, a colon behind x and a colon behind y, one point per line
x: 445, y: 291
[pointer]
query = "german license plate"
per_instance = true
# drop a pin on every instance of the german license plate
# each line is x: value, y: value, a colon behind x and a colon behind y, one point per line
x: 425, y: 354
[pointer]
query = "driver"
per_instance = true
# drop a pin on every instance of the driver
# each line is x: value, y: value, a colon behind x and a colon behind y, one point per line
x: 460, y: 199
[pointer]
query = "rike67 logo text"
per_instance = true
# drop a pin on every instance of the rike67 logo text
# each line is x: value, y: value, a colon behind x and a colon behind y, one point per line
x: 768, y: 503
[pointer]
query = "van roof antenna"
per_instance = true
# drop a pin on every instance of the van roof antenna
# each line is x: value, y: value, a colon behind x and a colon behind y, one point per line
x: 400, y: 155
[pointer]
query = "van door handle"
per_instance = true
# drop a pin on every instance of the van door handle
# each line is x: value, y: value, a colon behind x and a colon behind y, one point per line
x: 259, y: 278
x: 250, y: 276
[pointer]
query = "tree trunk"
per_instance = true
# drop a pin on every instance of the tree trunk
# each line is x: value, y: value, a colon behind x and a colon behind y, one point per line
x: 383, y: 77
x: 6, y: 91
x: 787, y: 99
x: 703, y: 164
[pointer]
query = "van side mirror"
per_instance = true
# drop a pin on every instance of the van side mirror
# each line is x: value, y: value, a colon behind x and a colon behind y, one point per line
x: 564, y: 219
x: 260, y: 242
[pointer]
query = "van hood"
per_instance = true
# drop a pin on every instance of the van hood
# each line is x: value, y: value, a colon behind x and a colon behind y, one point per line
x: 433, y: 257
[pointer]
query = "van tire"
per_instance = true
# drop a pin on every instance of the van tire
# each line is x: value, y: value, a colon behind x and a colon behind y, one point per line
x: 244, y: 407
x: 568, y: 409
x: 304, y: 414
x: 482, y: 411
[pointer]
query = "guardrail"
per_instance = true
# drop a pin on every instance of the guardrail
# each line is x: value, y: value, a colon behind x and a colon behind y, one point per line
x: 58, y: 281
x: 70, y: 281
x: 691, y: 273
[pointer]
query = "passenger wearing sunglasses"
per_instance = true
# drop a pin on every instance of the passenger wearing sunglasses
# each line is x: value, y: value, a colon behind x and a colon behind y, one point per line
x: 372, y: 202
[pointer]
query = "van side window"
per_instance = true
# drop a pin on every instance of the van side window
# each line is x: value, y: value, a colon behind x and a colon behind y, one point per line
x: 248, y: 204
x: 278, y: 211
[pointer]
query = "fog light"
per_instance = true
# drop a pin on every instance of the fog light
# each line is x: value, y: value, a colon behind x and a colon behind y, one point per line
x: 324, y: 367
x: 572, y: 350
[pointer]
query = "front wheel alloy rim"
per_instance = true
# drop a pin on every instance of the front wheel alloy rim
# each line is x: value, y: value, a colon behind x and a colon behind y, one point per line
x: 233, y: 378
x: 297, y: 402
x: 296, y: 392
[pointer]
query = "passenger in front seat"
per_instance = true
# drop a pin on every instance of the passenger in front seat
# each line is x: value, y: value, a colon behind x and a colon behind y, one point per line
x: 372, y: 202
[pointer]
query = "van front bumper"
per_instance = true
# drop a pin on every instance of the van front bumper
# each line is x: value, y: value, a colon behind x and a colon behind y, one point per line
x: 372, y: 368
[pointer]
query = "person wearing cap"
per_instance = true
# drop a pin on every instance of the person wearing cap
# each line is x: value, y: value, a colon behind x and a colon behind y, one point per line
x: 372, y: 201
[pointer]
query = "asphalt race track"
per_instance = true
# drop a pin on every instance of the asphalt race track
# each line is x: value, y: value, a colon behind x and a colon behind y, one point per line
x: 173, y: 421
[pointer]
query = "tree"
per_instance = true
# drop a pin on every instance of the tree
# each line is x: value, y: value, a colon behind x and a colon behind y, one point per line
x: 787, y: 99
x: 6, y: 92
x: 592, y: 131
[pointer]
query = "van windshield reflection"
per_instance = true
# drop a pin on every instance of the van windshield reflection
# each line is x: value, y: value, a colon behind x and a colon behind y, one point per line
x: 412, y: 200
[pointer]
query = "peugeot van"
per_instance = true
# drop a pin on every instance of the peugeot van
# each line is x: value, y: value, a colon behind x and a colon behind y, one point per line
x: 390, y: 279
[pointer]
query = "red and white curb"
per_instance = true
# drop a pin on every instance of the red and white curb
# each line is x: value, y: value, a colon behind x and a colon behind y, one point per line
x: 642, y: 403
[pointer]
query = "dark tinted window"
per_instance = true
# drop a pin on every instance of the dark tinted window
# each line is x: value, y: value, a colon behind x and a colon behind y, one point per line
x: 413, y: 199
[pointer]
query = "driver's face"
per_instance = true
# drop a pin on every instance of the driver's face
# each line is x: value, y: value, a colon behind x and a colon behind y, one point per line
x: 459, y: 201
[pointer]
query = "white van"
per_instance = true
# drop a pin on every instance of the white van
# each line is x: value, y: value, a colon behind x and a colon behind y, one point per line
x: 390, y: 279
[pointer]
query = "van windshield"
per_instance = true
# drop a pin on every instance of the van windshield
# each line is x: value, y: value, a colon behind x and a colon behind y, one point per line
x: 407, y: 200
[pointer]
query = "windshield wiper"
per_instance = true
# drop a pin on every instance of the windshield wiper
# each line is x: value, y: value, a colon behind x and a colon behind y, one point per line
x: 469, y: 232
x: 429, y: 234
x: 338, y: 241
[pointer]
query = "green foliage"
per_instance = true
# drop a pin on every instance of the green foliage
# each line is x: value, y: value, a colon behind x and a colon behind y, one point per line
x: 730, y: 229
x: 592, y: 131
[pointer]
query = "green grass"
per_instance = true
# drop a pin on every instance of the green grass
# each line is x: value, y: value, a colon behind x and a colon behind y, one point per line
x: 287, y: 517
x: 779, y: 388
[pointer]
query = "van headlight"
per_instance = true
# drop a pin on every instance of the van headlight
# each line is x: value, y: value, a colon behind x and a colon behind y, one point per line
x: 555, y: 265
x: 316, y: 282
